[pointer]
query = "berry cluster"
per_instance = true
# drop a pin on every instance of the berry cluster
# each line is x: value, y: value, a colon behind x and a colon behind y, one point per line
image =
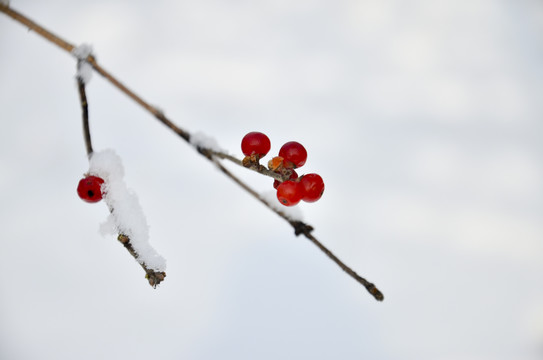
x: 292, y: 155
x: 89, y: 188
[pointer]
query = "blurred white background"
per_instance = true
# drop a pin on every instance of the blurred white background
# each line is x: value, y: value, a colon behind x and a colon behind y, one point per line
x: 424, y: 119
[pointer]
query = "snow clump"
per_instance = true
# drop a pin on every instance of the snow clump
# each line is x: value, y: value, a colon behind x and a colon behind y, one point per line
x: 126, y: 214
x: 84, y: 69
x: 201, y: 140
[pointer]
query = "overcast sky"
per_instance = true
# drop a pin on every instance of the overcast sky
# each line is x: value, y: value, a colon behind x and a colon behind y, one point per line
x: 424, y: 118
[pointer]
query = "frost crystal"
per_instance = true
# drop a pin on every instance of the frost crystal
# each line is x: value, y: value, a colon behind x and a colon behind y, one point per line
x: 126, y: 214
x: 201, y: 140
x: 293, y: 212
x: 84, y: 69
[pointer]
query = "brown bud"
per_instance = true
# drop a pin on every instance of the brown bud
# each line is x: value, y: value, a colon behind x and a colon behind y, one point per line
x: 275, y: 164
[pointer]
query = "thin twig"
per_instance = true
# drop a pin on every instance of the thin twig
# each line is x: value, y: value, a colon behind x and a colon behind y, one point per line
x: 250, y: 190
x: 85, y: 116
x: 302, y: 228
x: 251, y: 165
x: 299, y: 227
x: 63, y: 44
x: 154, y: 277
x: 37, y: 28
x: 372, y: 289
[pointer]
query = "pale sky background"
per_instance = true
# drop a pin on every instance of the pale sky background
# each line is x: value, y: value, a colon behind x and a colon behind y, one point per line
x: 424, y: 118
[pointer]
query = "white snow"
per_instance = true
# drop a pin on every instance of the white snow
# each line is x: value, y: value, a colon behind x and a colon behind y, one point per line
x: 126, y: 216
x: 4, y: 2
x: 201, y: 140
x: 84, y: 69
x: 292, y: 212
x: 82, y: 51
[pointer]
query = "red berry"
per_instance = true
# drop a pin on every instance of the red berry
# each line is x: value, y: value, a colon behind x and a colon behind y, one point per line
x: 89, y: 189
x: 255, y: 143
x: 292, y: 176
x: 294, y: 154
x: 312, y: 187
x: 289, y: 193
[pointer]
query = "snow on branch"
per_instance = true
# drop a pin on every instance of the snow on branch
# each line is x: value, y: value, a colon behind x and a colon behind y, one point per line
x: 84, y: 69
x: 203, y: 141
x: 126, y: 215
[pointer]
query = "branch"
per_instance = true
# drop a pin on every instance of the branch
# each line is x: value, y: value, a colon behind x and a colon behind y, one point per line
x: 248, y: 162
x: 37, y: 28
x: 372, y: 289
x: 299, y: 227
x: 302, y: 228
x: 154, y: 277
x: 85, y: 116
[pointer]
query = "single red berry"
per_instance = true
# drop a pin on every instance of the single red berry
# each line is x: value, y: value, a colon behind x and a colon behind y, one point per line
x: 312, y: 187
x: 294, y: 154
x: 255, y: 143
x: 89, y: 189
x: 292, y: 176
x: 289, y: 193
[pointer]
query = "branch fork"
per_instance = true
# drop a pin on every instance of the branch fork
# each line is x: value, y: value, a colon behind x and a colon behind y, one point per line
x: 154, y: 278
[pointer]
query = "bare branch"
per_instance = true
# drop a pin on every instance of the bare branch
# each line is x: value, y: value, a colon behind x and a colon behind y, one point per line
x: 372, y: 289
x: 85, y: 116
x: 37, y: 28
x: 305, y: 229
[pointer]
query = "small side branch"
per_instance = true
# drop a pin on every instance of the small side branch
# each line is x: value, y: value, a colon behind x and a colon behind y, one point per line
x: 251, y: 165
x: 85, y: 116
x: 154, y: 277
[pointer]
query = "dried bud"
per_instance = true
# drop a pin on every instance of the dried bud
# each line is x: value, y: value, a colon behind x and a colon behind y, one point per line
x: 275, y: 164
